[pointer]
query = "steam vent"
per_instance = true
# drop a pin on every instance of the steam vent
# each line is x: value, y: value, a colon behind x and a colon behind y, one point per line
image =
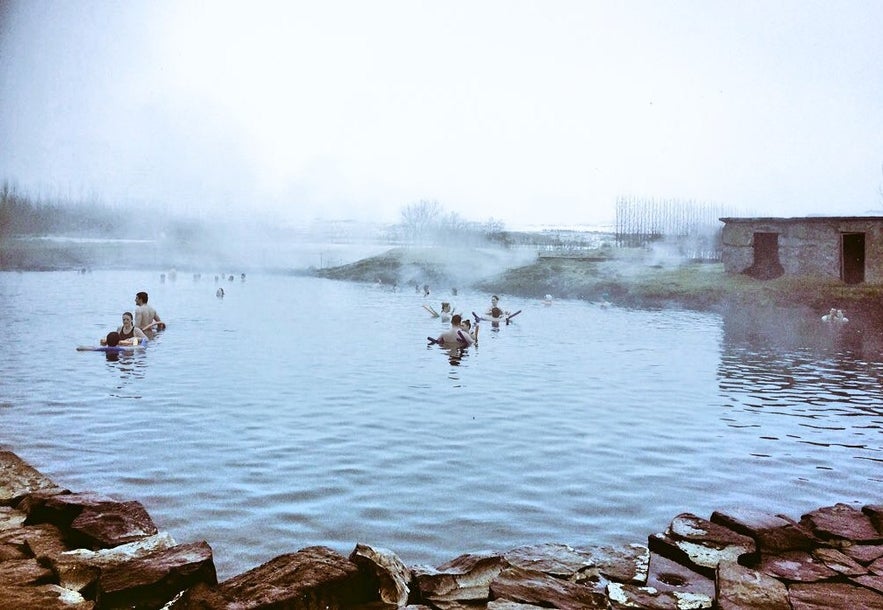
x: 86, y: 550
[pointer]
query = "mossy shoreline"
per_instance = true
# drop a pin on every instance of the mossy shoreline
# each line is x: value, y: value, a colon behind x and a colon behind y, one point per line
x: 629, y: 278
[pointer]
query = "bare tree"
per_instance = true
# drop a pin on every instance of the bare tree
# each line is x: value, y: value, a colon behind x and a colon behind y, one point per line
x: 419, y: 218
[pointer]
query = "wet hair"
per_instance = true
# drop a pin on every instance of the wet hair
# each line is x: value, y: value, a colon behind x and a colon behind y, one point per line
x: 467, y: 323
x: 112, y: 339
x: 456, y: 319
x: 129, y: 313
x: 495, y: 298
x: 142, y: 296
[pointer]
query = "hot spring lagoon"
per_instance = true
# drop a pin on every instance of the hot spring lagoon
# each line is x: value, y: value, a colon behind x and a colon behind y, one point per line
x: 299, y: 410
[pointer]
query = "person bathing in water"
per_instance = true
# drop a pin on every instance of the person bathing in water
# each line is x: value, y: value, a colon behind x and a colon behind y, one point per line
x: 455, y: 336
x: 128, y: 333
x: 145, y: 315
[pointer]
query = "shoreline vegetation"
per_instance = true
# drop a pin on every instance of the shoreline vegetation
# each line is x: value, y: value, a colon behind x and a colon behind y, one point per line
x: 652, y: 277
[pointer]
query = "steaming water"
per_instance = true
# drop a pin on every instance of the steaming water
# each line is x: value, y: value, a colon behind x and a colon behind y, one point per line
x: 299, y: 411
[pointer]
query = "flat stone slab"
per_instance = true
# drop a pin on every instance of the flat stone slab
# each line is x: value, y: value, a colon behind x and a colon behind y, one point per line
x: 43, y: 597
x: 773, y: 533
x: 796, y: 566
x: 833, y: 596
x: 532, y: 587
x: 667, y: 575
x: 701, y: 544
x: 464, y: 579
x: 18, y: 479
x: 317, y: 575
x: 842, y: 524
x: 741, y: 588
x: 153, y: 580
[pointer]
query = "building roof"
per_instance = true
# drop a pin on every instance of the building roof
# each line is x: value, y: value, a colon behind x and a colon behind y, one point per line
x: 799, y: 219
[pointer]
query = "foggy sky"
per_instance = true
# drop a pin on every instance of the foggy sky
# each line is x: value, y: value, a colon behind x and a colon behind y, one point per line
x: 525, y: 111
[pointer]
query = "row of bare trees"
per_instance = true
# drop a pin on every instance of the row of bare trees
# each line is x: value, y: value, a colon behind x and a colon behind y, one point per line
x: 427, y: 221
x: 694, y: 226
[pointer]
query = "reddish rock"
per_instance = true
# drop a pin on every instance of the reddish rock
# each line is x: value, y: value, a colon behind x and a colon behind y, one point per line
x: 45, y: 542
x: 109, y: 525
x: 392, y: 576
x: 557, y: 560
x: 153, y: 580
x: 833, y: 596
x: 628, y: 564
x: 875, y: 514
x: 864, y: 553
x: 314, y: 577
x: 870, y: 581
x: 773, y: 533
x: 839, y: 562
x: 667, y: 575
x: 741, y: 588
x: 842, y: 524
x: 531, y: 587
x: 700, y: 544
x: 796, y: 566
x: 18, y: 479
x: 43, y: 597
x: 876, y: 566
x: 464, y: 579
x: 623, y: 595
x: 24, y: 572
x: 78, y: 569
x: 11, y: 518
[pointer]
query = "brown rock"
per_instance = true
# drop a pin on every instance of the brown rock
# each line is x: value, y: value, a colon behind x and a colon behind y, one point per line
x: 667, y: 575
x: 18, y: 479
x: 628, y: 564
x: 45, y: 542
x: 111, y: 524
x: 842, y: 524
x: 11, y: 518
x: 839, y: 562
x: 773, y: 533
x: 314, y: 577
x: 833, y: 596
x: 43, y: 597
x: 876, y: 566
x: 504, y: 604
x: 153, y: 580
x: 464, y: 579
x: 875, y: 514
x: 630, y: 596
x: 531, y: 587
x: 24, y: 572
x: 79, y: 569
x: 741, y: 588
x: 796, y: 566
x: 700, y: 544
x: 557, y: 560
x: 391, y: 574
x: 864, y: 553
x: 870, y: 581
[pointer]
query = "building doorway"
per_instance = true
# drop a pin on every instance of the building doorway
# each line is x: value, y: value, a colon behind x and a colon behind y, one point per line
x: 852, y: 258
x: 766, y: 264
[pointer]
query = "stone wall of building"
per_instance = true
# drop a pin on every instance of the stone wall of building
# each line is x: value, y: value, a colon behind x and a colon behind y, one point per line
x: 807, y: 246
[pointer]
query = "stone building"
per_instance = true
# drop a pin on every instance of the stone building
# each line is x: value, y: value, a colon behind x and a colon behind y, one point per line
x: 849, y: 248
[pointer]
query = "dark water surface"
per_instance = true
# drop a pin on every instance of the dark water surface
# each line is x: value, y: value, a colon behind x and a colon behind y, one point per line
x: 299, y: 411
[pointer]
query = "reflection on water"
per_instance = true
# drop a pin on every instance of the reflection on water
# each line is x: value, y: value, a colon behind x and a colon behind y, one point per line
x: 795, y: 381
x: 297, y: 411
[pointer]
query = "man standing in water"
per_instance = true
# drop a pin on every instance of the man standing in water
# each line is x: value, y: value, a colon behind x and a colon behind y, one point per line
x: 145, y: 315
x: 455, y: 336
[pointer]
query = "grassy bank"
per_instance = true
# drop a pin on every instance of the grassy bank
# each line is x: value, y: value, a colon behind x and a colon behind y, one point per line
x: 627, y: 277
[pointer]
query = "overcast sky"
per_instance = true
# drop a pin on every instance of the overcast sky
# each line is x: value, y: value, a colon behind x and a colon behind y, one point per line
x: 528, y: 112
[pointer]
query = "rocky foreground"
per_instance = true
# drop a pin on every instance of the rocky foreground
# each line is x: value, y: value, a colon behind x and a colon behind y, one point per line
x: 87, y: 551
